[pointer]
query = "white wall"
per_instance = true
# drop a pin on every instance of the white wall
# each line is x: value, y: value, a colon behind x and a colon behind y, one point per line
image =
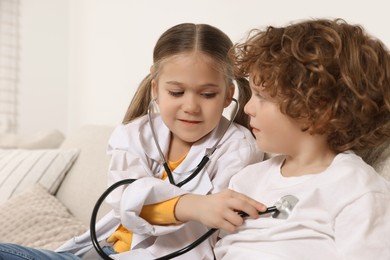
x: 88, y: 56
x: 44, y: 65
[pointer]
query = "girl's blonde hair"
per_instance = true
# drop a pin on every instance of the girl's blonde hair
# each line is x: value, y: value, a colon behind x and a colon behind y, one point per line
x: 183, y: 38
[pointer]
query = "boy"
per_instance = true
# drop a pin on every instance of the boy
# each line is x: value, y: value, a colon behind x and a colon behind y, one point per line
x: 320, y: 93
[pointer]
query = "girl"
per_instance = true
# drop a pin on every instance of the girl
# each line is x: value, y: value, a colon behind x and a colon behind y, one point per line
x: 190, y: 82
x: 320, y: 93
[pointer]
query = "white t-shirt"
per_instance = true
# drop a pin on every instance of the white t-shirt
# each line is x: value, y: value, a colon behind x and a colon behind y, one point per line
x: 342, y: 213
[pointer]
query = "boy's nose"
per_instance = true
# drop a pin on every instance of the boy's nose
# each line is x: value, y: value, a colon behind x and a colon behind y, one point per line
x: 248, y: 107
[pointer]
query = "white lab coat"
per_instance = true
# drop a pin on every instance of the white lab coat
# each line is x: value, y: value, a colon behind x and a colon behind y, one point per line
x: 134, y: 155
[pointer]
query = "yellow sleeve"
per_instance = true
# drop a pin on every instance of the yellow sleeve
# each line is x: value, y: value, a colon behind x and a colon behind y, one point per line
x: 162, y: 213
x: 121, y: 239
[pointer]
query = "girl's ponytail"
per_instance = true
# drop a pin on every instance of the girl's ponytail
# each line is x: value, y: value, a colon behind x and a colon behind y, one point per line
x: 140, y: 102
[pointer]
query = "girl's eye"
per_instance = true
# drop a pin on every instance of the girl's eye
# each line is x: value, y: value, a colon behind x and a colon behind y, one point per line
x: 209, y: 94
x: 176, y: 93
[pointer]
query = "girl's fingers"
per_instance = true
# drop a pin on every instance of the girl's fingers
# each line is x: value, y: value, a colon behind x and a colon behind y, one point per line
x: 243, y: 203
x: 233, y: 218
x: 227, y: 226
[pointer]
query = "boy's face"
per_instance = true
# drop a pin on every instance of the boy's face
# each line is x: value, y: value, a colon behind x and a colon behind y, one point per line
x: 274, y: 131
x: 191, y: 95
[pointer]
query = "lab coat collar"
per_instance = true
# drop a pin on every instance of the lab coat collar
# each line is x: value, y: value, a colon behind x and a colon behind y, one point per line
x: 146, y: 137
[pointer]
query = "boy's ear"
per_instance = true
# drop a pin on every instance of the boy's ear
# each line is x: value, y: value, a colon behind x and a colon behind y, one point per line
x: 229, y: 96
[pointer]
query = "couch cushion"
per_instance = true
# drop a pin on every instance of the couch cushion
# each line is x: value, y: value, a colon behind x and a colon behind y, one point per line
x: 379, y: 158
x: 41, y: 140
x: 36, y: 218
x: 21, y: 169
x: 87, y: 179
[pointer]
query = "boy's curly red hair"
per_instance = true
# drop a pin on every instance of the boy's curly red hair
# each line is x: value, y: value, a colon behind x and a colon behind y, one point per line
x: 327, y: 73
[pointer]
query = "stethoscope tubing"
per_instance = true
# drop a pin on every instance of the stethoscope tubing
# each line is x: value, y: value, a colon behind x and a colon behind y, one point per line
x: 95, y: 241
x: 179, y: 252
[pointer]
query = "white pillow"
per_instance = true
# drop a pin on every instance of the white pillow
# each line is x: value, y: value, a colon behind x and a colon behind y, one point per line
x: 36, y: 218
x: 20, y: 169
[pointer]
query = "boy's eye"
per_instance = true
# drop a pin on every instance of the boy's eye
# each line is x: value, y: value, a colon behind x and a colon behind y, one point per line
x: 176, y: 93
x: 259, y: 96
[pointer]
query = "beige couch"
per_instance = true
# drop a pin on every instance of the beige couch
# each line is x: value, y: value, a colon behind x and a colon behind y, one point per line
x: 38, y: 218
x: 35, y: 217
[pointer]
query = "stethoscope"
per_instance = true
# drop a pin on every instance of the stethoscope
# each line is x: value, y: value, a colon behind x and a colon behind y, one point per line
x: 205, y: 158
x: 282, y: 209
x: 277, y: 209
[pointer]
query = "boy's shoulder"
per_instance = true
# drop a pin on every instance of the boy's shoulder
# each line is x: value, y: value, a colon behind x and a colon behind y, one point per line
x: 352, y: 169
x: 349, y: 162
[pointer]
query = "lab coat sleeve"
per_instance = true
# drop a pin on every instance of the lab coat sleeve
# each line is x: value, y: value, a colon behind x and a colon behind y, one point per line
x: 362, y: 228
x: 127, y: 162
x: 147, y: 191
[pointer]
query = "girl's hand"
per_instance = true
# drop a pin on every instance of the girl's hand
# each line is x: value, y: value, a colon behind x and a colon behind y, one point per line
x: 217, y: 210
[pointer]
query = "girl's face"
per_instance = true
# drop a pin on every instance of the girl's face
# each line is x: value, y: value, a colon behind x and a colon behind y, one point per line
x: 274, y: 131
x: 191, y: 95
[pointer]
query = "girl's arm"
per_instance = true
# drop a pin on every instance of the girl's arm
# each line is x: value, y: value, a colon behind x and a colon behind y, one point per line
x: 160, y: 213
x: 217, y: 210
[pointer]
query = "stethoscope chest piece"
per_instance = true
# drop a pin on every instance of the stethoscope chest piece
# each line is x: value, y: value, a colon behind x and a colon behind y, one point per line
x: 284, y: 206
